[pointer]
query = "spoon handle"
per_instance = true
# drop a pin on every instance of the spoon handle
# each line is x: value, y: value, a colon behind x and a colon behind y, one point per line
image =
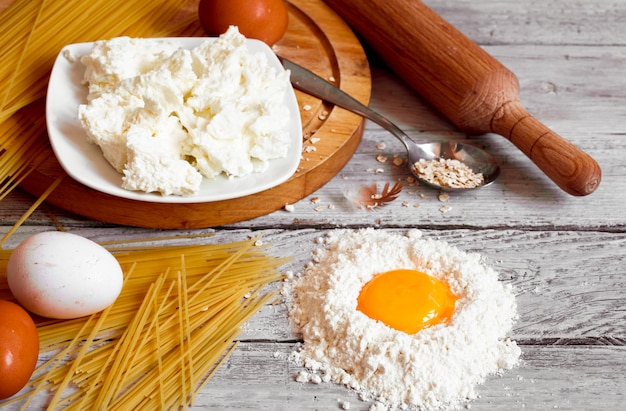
x: 316, y: 86
x: 466, y: 84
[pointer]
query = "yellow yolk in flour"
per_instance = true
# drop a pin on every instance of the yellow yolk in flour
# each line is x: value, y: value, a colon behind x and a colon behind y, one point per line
x: 407, y: 300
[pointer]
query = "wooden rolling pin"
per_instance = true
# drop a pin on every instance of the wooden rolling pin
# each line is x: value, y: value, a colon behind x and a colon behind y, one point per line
x: 470, y: 87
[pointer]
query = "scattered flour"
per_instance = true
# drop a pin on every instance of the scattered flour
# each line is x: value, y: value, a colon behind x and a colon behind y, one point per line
x: 437, y: 368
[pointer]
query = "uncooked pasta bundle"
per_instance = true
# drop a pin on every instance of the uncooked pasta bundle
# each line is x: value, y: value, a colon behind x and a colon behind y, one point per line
x: 175, y: 322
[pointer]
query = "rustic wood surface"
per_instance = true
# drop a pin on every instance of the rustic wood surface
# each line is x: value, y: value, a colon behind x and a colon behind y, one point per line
x: 564, y: 255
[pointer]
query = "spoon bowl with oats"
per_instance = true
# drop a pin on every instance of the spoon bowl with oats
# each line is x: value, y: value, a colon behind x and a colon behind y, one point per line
x: 447, y: 166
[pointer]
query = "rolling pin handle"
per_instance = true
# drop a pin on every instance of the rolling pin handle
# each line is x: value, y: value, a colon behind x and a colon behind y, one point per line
x: 573, y: 170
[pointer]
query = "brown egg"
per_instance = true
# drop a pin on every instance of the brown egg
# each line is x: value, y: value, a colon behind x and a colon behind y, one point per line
x: 264, y: 20
x: 19, y: 348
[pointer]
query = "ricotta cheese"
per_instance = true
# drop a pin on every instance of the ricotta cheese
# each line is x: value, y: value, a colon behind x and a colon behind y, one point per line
x: 166, y: 117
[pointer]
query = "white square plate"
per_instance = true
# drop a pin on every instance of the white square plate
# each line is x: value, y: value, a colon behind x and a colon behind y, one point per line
x: 85, y: 163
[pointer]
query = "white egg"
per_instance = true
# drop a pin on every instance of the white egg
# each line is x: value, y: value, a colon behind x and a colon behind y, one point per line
x: 61, y: 275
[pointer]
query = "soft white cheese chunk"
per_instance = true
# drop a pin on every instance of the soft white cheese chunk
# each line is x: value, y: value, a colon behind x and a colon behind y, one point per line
x: 150, y: 154
x: 166, y: 117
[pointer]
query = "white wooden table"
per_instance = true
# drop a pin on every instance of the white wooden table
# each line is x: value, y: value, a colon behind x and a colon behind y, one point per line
x: 565, y: 256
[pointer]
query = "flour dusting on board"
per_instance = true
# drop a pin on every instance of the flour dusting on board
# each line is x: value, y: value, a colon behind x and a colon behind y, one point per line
x: 436, y: 368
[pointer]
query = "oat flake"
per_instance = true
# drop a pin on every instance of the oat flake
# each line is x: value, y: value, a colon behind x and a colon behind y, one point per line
x: 448, y: 173
x: 437, y: 368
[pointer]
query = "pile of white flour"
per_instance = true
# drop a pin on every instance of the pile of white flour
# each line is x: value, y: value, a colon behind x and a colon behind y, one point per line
x: 437, y: 368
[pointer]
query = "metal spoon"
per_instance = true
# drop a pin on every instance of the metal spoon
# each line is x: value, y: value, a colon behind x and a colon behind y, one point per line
x: 478, y: 160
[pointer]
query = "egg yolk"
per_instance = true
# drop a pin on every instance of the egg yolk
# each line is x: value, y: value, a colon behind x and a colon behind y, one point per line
x: 407, y: 300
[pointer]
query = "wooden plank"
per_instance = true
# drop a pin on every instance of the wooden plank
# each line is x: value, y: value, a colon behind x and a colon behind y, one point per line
x: 259, y: 376
x: 563, y: 378
x: 514, y: 22
x: 582, y: 97
x: 569, y: 285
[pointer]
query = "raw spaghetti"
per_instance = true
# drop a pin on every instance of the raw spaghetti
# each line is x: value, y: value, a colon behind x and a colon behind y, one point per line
x: 175, y: 322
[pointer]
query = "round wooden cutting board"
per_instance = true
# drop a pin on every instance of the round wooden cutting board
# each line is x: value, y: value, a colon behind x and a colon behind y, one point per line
x: 317, y: 39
